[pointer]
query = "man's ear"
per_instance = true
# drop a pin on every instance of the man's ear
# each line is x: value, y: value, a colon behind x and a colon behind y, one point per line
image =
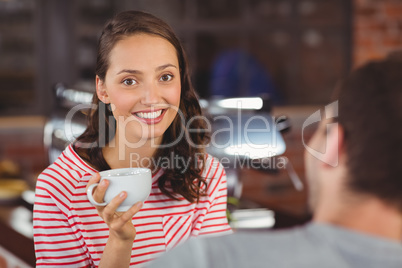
x: 101, y: 91
x: 335, y: 145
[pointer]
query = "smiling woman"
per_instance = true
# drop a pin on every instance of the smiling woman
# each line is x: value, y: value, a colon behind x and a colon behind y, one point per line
x: 143, y: 103
x: 141, y: 84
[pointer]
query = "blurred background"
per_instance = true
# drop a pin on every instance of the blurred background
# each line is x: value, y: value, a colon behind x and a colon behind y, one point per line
x: 293, y: 51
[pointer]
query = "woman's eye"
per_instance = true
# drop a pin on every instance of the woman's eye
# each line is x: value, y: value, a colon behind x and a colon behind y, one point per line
x: 129, y: 82
x: 166, y: 77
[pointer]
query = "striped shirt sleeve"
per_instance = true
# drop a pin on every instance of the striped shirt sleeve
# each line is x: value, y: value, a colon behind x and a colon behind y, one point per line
x: 215, y: 221
x: 57, y: 244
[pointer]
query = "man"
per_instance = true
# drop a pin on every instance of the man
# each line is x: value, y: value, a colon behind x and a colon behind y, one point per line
x: 356, y: 202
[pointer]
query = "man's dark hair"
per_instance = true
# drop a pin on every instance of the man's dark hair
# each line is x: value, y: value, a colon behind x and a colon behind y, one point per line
x: 370, y: 111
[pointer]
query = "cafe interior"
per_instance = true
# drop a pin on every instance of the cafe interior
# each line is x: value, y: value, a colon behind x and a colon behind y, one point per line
x: 258, y: 62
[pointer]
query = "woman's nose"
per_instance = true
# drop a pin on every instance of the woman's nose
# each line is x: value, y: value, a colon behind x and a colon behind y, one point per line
x: 151, y: 94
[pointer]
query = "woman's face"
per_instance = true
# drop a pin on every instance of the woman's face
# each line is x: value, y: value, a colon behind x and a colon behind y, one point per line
x: 143, y: 87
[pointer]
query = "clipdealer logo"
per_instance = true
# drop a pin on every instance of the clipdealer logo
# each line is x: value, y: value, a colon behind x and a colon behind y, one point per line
x: 331, y: 111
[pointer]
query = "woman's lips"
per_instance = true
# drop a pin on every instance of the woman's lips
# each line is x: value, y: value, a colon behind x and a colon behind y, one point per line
x: 150, y: 121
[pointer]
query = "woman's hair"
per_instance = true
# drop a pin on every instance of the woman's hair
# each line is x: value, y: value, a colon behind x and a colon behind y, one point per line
x: 185, y: 180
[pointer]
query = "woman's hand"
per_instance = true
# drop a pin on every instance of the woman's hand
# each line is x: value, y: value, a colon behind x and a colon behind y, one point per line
x: 119, y: 223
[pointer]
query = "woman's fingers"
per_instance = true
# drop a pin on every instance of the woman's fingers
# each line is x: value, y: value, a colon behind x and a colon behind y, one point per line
x: 137, y: 206
x: 121, y: 218
x: 118, y: 222
x: 100, y: 190
x: 128, y: 215
x: 109, y: 212
x: 94, y: 179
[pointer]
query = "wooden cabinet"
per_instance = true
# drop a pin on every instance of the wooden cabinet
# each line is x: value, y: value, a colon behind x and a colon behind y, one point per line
x: 297, y: 49
x: 303, y: 47
x: 17, y: 55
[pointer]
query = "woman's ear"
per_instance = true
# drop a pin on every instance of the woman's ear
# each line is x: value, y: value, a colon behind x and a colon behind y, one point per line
x: 101, y: 91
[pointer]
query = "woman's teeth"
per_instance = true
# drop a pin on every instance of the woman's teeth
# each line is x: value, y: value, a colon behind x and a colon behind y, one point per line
x: 151, y: 115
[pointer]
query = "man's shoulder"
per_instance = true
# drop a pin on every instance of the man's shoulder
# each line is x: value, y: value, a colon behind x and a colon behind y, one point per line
x: 285, y: 248
x: 278, y: 238
x: 293, y: 247
x: 311, y: 245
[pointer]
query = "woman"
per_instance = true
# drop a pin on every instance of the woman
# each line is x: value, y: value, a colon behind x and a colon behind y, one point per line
x: 145, y: 108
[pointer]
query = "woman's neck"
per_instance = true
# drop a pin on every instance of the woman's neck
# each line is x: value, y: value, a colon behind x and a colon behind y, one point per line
x: 123, y: 155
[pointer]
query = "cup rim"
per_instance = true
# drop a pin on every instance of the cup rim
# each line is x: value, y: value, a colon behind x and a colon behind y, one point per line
x: 116, y: 171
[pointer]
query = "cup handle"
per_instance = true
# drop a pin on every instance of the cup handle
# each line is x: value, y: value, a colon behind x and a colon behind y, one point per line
x: 91, y: 198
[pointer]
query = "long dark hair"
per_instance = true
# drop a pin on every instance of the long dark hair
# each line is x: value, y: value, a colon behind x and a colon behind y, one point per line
x: 175, y: 180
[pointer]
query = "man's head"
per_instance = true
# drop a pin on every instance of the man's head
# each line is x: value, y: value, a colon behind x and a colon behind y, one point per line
x: 367, y: 138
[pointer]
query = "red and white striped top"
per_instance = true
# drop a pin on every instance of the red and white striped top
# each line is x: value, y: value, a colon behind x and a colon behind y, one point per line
x: 69, y: 232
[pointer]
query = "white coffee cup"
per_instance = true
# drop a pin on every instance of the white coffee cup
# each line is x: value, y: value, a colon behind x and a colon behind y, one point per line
x: 137, y: 182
